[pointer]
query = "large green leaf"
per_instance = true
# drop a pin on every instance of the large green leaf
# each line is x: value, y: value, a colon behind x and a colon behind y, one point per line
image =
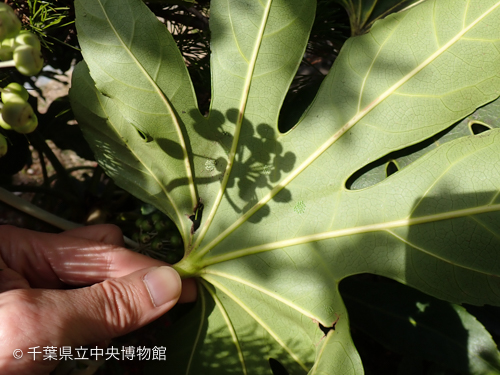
x: 280, y: 228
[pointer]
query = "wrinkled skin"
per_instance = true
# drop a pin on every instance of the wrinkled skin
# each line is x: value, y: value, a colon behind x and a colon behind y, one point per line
x: 39, y: 308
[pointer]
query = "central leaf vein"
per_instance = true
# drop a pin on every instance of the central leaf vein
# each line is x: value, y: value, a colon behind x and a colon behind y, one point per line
x: 349, y: 232
x: 239, y: 122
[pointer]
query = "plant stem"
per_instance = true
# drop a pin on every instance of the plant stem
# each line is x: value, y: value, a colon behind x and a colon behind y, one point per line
x: 45, y: 175
x: 186, y: 268
x: 30, y: 209
x: 67, y: 198
x: 7, y: 64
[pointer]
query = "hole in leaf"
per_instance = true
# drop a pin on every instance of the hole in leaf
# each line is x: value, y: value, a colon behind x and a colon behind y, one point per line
x: 376, y: 171
x: 391, y: 168
x: 478, y: 127
x: 277, y: 368
x: 144, y: 136
x: 196, y: 216
x: 325, y: 330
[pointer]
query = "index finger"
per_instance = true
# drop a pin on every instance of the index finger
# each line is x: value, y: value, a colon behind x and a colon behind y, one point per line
x: 49, y: 260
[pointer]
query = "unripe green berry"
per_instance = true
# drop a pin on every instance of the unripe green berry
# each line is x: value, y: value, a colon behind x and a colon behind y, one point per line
x: 9, y: 45
x: 156, y: 217
x: 171, y: 257
x: 175, y: 241
x: 28, y: 127
x: 159, y: 226
x: 146, y: 226
x: 138, y: 222
x: 7, y: 49
x: 157, y: 244
x: 3, y: 124
x: 3, y: 145
x: 20, y: 116
x: 168, y: 224
x: 143, y: 224
x: 9, y: 23
x: 28, y: 60
x: 145, y: 238
x: 28, y: 39
x: 14, y: 92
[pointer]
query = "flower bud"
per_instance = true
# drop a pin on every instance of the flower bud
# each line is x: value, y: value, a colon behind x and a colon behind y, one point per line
x: 28, y: 60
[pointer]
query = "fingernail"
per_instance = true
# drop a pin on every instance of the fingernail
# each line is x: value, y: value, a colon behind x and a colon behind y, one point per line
x: 163, y: 284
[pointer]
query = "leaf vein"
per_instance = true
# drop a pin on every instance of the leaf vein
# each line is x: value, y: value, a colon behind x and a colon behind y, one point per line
x: 348, y: 125
x: 254, y: 316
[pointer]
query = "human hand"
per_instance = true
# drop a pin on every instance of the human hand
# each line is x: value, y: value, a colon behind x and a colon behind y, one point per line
x: 127, y: 291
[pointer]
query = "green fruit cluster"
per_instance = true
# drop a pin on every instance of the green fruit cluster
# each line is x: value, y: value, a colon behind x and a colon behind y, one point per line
x: 17, y: 114
x: 21, y: 46
x: 158, y: 237
x: 24, y: 49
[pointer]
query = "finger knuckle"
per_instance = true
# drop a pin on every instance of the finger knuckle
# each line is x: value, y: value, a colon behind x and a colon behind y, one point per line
x: 120, y: 309
x: 114, y: 234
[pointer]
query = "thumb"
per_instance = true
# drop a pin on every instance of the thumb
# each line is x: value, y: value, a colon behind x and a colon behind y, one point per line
x: 117, y: 306
x: 35, y: 318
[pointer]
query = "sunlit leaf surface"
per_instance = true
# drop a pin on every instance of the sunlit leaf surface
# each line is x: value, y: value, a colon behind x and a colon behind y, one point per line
x: 281, y: 228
